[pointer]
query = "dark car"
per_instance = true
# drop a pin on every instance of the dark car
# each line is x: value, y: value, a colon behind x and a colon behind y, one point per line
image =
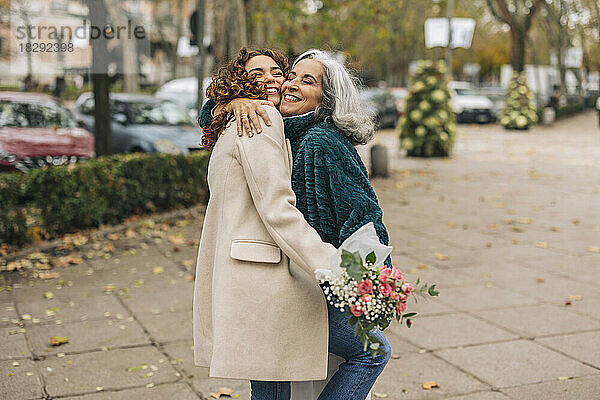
x: 144, y: 123
x: 35, y: 130
x: 384, y: 105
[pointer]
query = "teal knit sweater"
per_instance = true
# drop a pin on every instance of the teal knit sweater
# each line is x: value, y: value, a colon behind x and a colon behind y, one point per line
x: 330, y: 181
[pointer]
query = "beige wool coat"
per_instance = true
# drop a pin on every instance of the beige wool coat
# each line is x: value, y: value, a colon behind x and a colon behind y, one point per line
x: 259, y: 312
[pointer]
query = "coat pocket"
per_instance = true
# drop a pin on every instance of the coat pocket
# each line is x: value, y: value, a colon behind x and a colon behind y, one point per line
x: 255, y: 251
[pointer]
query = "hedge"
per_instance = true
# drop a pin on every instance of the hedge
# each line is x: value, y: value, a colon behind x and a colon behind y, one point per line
x: 63, y: 199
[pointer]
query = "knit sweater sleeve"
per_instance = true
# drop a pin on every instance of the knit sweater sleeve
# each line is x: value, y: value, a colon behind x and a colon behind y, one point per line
x: 341, y: 190
x: 205, y: 117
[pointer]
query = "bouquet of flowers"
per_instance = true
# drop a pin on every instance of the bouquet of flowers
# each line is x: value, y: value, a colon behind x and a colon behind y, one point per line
x: 368, y: 291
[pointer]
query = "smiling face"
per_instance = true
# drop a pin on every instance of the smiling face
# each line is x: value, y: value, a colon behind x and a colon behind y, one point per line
x: 266, y: 70
x: 303, y: 90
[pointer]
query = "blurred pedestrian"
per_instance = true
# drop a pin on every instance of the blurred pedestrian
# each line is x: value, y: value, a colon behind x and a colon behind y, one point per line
x: 59, y: 86
x: 598, y: 109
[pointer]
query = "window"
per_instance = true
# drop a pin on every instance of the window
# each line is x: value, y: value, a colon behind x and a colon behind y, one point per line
x: 33, y: 115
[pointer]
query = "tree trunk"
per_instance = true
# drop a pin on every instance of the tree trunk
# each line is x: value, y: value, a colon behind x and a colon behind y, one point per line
x: 100, y: 81
x: 518, y: 37
x: 129, y: 58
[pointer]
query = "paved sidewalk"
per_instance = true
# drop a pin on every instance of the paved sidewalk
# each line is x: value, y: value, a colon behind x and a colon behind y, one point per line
x: 509, y: 228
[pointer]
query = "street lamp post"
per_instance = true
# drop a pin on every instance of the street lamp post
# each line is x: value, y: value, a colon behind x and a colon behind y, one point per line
x: 449, y: 14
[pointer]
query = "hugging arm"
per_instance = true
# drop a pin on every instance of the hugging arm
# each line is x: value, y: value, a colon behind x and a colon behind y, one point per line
x: 252, y: 108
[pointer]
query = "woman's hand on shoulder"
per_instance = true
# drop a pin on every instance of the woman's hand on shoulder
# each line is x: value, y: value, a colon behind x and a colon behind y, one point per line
x: 247, y: 113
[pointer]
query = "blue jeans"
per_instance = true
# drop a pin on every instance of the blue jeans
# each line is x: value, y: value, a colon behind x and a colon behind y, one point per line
x: 354, y: 378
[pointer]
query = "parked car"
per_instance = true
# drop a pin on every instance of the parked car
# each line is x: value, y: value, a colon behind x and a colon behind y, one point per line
x: 469, y: 105
x: 384, y: 105
x: 400, y: 94
x: 183, y: 91
x: 144, y: 123
x: 36, y: 130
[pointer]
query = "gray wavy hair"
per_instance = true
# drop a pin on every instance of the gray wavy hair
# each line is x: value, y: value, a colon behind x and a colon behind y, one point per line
x: 341, y: 101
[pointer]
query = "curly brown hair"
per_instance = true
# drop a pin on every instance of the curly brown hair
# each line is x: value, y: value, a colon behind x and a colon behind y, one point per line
x: 232, y: 81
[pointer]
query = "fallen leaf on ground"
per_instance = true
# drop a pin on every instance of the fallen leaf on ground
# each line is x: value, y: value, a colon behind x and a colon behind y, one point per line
x: 112, y: 236
x: 517, y: 229
x: 48, y: 275
x: 555, y: 229
x: 564, y: 378
x: 524, y: 220
x: 108, y: 289
x: 451, y: 225
x: 441, y: 257
x: 137, y: 368
x: 58, y: 340
x: 49, y: 295
x: 378, y: 395
x: 176, y: 239
x: 422, y: 266
x: 224, y: 391
x: 158, y: 270
x: 594, y: 249
x: 540, y: 280
x: 574, y: 297
x: 543, y: 245
x: 430, y: 385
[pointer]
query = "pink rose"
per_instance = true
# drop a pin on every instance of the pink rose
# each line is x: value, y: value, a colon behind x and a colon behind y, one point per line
x: 400, y: 307
x: 403, y: 297
x: 407, y: 288
x: 396, y: 274
x: 357, y: 311
x: 384, y: 275
x: 385, y: 289
x: 366, y: 298
x: 365, y: 287
x: 394, y: 296
x: 393, y: 285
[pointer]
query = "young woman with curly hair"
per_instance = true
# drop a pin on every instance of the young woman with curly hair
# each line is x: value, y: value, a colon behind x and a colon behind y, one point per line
x: 324, y: 120
x: 259, y: 313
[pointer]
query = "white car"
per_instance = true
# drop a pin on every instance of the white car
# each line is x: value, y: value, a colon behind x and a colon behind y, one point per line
x: 469, y: 105
x: 183, y: 91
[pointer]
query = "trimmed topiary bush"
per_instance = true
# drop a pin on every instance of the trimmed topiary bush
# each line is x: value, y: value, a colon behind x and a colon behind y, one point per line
x: 429, y: 127
x: 519, y: 111
x: 105, y: 190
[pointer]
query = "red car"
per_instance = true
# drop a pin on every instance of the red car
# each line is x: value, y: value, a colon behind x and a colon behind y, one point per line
x: 35, y: 130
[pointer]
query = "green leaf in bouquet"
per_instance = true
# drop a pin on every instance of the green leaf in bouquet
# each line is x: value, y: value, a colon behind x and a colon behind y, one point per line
x: 433, y: 291
x: 371, y: 258
x: 353, y: 264
x: 374, y: 346
x: 409, y: 315
x: 385, y: 324
x: 352, y: 321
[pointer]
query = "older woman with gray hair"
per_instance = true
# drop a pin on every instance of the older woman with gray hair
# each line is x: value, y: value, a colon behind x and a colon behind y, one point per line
x: 323, y: 120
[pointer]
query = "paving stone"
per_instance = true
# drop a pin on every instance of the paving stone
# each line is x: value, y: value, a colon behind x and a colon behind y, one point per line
x: 481, y: 396
x: 587, y: 306
x: 481, y: 297
x: 8, y: 313
x: 176, y: 295
x: 71, y: 309
x: 36, y: 290
x: 171, y: 391
x: 19, y: 381
x: 573, y: 389
x: 168, y: 326
x: 13, y: 343
x: 182, y: 353
x: 453, y: 330
x: 514, y: 363
x: 539, y: 320
x: 553, y: 289
x: 403, y: 378
x: 86, y: 372
x: 87, y: 335
x: 582, y: 346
